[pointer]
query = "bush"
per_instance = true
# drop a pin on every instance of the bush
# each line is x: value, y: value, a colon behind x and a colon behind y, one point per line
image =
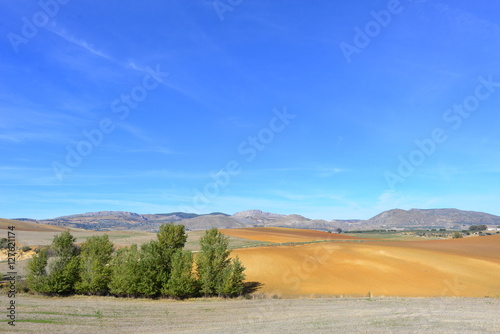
x: 478, y: 227
x: 4, y: 243
x: 457, y: 235
x: 58, y: 274
x: 22, y: 286
x: 26, y: 249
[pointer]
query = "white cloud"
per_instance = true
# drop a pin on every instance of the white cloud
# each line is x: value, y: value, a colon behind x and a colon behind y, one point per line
x: 151, y: 144
x: 61, y: 32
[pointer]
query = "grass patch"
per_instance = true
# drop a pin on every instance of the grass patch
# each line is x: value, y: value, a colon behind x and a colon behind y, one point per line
x: 193, y: 242
x: 98, y: 314
x: 39, y: 321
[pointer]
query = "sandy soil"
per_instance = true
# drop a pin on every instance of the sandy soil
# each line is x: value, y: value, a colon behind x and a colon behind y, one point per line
x: 460, y: 267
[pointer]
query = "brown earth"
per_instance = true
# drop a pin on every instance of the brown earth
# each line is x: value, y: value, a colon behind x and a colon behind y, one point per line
x: 280, y: 234
x: 467, y: 267
x: 29, y: 226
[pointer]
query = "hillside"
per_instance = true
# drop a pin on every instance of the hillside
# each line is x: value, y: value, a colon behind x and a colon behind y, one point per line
x: 396, y: 218
x: 418, y: 218
x: 123, y: 220
x: 29, y: 226
x: 209, y: 221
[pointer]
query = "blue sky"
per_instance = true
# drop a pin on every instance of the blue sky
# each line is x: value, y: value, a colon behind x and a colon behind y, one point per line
x: 331, y: 110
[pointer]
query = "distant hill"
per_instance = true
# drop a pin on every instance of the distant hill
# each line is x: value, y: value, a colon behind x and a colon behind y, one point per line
x: 396, y: 218
x: 208, y: 221
x: 28, y: 226
x: 443, y: 218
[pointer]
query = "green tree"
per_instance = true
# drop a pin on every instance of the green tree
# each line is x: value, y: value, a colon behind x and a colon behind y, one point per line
x: 457, y: 235
x: 152, y: 269
x: 95, y: 271
x: 63, y: 267
x: 37, y: 276
x: 212, y: 261
x: 182, y: 282
x: 171, y: 237
x: 125, y: 275
x: 233, y: 279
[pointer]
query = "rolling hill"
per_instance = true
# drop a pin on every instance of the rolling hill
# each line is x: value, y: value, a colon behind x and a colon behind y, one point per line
x: 29, y: 226
x: 455, y: 267
x: 396, y: 218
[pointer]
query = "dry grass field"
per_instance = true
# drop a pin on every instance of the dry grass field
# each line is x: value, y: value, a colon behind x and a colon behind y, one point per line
x: 325, y: 315
x: 32, y: 234
x: 281, y: 235
x: 29, y: 226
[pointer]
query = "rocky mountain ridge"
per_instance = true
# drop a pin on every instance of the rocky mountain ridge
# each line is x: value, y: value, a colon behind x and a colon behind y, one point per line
x: 391, y: 219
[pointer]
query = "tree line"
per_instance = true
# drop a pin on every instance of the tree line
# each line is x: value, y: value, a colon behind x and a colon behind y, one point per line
x: 159, y: 268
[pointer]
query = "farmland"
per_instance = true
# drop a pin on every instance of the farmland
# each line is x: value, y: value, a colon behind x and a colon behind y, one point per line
x: 308, y: 281
x: 81, y: 314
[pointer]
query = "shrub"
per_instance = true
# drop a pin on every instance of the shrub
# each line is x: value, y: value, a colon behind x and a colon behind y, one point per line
x: 57, y: 275
x: 4, y: 243
x: 478, y: 227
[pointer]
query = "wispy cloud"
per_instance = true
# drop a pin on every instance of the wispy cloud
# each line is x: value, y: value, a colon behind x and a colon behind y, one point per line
x: 26, y: 176
x: 321, y: 172
x: 63, y: 33
x: 35, y: 123
x: 394, y: 199
x: 466, y: 21
x: 20, y: 137
x: 151, y: 144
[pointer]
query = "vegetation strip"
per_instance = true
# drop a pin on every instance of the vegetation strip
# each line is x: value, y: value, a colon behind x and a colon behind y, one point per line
x: 158, y: 268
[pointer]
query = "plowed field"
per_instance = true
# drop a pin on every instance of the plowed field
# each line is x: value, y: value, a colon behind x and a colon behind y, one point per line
x: 459, y: 267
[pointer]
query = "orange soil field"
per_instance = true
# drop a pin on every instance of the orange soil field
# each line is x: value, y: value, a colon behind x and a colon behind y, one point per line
x: 468, y: 267
x: 280, y: 234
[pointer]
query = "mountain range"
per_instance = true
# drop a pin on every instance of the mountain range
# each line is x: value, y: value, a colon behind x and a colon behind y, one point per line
x: 391, y: 219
